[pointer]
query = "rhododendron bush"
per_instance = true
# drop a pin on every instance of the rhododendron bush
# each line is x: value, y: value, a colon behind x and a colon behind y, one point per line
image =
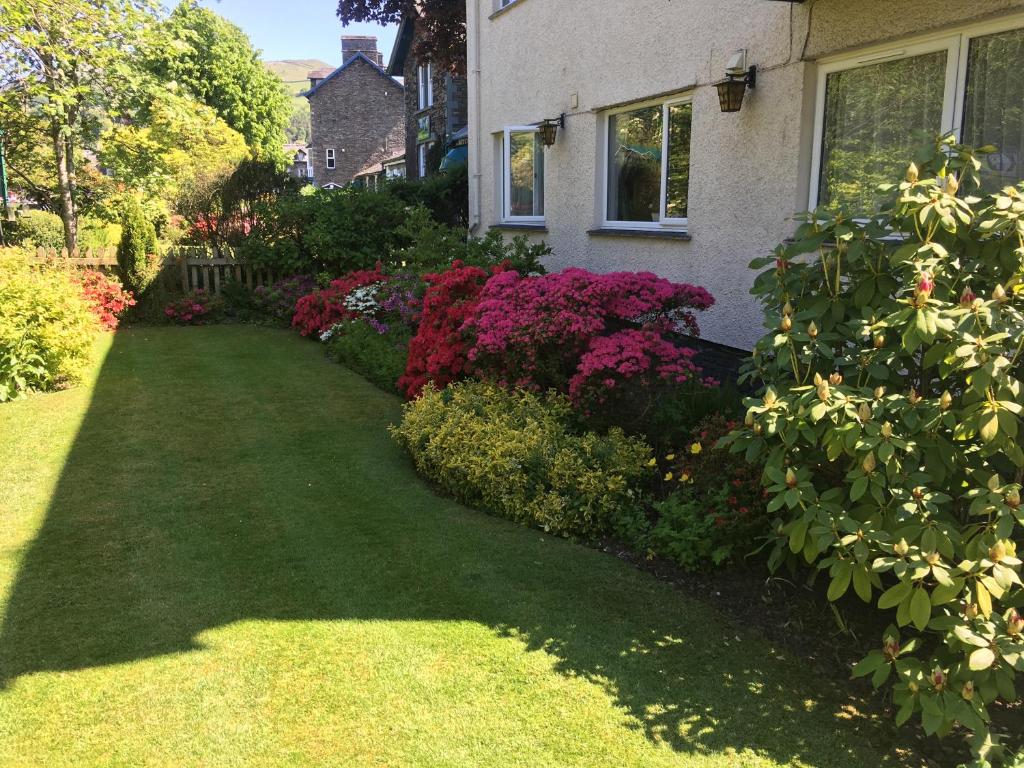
x: 318, y: 311
x: 891, y: 431
x: 438, y: 352
x: 105, y: 296
x: 611, y: 342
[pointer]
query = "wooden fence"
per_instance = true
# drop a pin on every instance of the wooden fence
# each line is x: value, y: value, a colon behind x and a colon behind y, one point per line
x: 200, y: 268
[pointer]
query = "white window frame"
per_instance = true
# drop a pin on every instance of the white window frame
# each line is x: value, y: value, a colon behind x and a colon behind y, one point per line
x: 330, y: 159
x: 425, y: 86
x: 506, y: 177
x: 664, y: 223
x: 957, y: 44
x: 422, y: 152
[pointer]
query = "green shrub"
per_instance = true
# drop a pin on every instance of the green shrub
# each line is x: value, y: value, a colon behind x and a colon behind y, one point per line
x: 514, y: 454
x: 891, y: 429
x: 137, y: 250
x: 96, y: 233
x: 713, y: 505
x: 444, y: 194
x: 46, y: 327
x: 379, y: 357
x: 39, y: 229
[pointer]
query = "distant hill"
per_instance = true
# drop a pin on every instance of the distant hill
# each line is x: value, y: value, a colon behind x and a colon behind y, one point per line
x: 294, y: 74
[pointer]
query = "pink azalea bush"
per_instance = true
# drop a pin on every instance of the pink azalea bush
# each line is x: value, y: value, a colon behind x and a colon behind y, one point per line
x: 579, y: 332
x: 196, y: 308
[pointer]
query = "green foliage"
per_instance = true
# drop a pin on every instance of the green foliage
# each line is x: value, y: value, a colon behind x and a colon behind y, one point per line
x: 379, y: 357
x: 39, y: 229
x: 215, y: 62
x: 891, y: 429
x: 46, y: 327
x: 96, y: 233
x: 137, y: 249
x: 513, y: 453
x: 444, y: 194
x: 713, y: 507
x: 325, y: 230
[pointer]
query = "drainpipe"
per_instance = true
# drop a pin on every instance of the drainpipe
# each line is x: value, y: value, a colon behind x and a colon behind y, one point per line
x: 476, y: 135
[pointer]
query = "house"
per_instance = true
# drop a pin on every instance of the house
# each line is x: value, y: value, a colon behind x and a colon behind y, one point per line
x: 647, y: 172
x: 388, y: 163
x: 355, y: 111
x: 299, y: 164
x: 435, y: 103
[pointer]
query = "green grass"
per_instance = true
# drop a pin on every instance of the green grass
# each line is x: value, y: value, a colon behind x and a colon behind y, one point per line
x: 213, y: 555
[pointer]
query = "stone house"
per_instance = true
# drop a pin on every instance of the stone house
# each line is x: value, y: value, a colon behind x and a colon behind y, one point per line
x: 647, y: 171
x: 356, y: 111
x: 435, y: 104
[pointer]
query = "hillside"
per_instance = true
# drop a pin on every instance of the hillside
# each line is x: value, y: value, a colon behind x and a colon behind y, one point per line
x: 294, y: 72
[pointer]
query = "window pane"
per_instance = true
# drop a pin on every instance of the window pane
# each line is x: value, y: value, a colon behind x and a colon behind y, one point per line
x: 677, y: 185
x: 634, y: 165
x: 526, y: 160
x: 875, y: 117
x: 994, y: 105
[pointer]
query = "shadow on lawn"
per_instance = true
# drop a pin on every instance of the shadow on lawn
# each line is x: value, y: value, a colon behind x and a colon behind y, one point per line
x: 216, y: 479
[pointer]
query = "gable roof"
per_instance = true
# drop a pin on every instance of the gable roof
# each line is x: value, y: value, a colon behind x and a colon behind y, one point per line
x: 403, y: 44
x: 346, y: 65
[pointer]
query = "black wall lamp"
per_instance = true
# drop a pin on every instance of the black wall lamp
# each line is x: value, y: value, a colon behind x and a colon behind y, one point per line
x: 738, y: 77
x: 548, y: 129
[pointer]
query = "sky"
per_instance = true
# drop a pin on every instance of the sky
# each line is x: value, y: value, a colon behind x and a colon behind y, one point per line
x: 297, y: 29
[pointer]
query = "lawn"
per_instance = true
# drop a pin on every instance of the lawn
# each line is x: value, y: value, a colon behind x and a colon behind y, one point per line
x: 212, y: 554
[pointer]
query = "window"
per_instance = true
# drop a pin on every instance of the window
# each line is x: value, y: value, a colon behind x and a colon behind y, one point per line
x: 523, y: 175
x: 876, y: 109
x: 330, y: 159
x: 648, y: 165
x: 422, y: 152
x: 425, y: 81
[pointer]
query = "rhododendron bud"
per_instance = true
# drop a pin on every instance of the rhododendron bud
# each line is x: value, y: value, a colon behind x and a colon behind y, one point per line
x: 971, y: 611
x: 835, y: 379
x: 787, y: 309
x: 749, y: 419
x: 913, y: 687
x: 1015, y: 623
x: 864, y: 412
x: 1013, y: 498
x: 770, y: 397
x: 912, y: 173
x: 917, y: 493
x: 879, y: 393
x: 968, y: 690
x: 933, y: 558
x: 946, y: 401
x: 758, y: 429
x: 887, y: 430
x: 967, y: 297
x: 824, y: 392
x: 869, y: 464
x: 791, y: 479
x: 786, y: 324
x: 913, y: 398
x: 999, y: 293
x: 817, y: 379
x: 997, y: 552
x: 938, y: 679
x: 901, y: 548
x: 781, y: 265
x: 878, y: 341
x: 812, y: 330
x: 925, y: 284
x: 952, y: 185
x: 890, y: 647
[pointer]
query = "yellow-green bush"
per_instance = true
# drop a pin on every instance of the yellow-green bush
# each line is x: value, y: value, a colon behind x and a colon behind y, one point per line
x: 513, y: 453
x: 46, y: 327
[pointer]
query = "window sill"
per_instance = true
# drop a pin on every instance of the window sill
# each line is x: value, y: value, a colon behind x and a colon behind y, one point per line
x: 658, y: 234
x: 521, y: 226
x: 500, y: 11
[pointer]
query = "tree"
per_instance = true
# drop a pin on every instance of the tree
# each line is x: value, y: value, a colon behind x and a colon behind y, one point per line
x: 442, y: 23
x: 215, y: 62
x: 138, y: 244
x: 72, y: 61
x: 176, y: 146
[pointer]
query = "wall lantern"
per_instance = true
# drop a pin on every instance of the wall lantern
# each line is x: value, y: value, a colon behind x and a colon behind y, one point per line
x: 548, y: 129
x: 738, y: 77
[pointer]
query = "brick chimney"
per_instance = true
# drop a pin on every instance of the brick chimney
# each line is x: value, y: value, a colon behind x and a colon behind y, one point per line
x: 364, y: 44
